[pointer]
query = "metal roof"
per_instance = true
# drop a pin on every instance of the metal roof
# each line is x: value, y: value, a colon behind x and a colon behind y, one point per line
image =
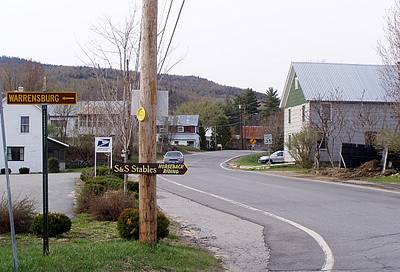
x: 179, y: 120
x: 354, y: 82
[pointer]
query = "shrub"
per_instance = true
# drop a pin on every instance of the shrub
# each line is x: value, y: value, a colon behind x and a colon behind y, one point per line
x: 109, y: 206
x: 133, y: 186
x: 301, y: 146
x: 24, y: 170
x: 83, y: 198
x: 3, y: 171
x: 128, y: 224
x: 101, y: 184
x: 103, y: 170
x: 54, y: 166
x: 96, y: 186
x: 24, y: 212
x: 58, y: 224
x: 87, y: 173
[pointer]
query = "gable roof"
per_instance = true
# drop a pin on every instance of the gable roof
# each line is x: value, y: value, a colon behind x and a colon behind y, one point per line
x: 354, y: 82
x: 179, y: 120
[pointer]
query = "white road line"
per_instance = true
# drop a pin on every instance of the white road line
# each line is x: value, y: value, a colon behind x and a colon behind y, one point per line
x: 329, y: 259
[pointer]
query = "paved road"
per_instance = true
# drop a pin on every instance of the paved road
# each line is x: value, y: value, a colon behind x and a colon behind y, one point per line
x: 360, y: 226
x: 61, y: 190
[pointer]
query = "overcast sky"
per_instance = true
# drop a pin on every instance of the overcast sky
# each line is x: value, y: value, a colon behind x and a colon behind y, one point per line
x: 248, y: 44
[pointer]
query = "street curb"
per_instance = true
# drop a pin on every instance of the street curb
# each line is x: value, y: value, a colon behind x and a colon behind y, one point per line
x: 353, y: 183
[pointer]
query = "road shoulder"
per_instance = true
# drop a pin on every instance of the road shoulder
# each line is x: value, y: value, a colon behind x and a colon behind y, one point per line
x: 239, y: 243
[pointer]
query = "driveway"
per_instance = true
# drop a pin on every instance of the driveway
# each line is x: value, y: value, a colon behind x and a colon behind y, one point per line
x: 61, y: 190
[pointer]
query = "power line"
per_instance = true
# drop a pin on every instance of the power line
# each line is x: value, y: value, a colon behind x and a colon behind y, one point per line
x: 173, y: 33
x: 165, y: 25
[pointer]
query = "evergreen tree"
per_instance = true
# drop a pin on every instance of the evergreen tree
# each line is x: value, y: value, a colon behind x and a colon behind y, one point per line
x: 203, y: 139
x: 248, y: 102
x: 223, y: 131
x: 271, y: 102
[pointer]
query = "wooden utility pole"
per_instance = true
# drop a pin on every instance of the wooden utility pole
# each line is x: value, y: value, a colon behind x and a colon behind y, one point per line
x: 147, y: 127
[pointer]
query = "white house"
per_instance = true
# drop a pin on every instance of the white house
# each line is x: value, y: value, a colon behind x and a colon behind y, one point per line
x: 23, y: 125
x: 179, y: 130
x: 346, y: 100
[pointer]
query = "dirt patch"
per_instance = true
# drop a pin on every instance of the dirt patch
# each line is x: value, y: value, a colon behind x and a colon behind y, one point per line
x: 369, y: 169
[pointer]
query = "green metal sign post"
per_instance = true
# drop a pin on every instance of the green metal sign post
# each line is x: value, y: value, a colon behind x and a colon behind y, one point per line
x: 43, y: 98
x: 45, y: 183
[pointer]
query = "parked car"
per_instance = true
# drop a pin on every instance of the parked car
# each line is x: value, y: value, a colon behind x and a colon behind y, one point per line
x: 174, y: 157
x: 276, y: 157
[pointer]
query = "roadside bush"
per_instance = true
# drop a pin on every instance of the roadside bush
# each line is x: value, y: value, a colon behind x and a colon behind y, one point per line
x: 87, y: 173
x: 109, y: 206
x: 24, y: 170
x: 103, y: 170
x: 54, y: 166
x: 58, y: 224
x: 3, y: 171
x: 83, y: 198
x: 24, y: 212
x: 128, y: 224
x: 97, y: 186
x: 301, y: 146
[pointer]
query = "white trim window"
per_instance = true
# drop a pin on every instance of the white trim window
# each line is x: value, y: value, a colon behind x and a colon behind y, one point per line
x: 24, y: 124
x: 162, y: 129
x: 15, y: 153
x: 181, y: 129
x: 296, y: 83
x: 289, y: 116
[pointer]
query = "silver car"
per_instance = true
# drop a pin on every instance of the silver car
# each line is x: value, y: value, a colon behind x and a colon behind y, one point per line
x: 174, y: 157
x: 276, y: 157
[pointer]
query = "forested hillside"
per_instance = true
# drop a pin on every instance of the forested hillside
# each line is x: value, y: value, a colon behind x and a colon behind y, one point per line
x: 14, y: 72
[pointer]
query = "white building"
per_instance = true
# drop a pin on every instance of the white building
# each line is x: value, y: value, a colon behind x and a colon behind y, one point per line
x: 23, y: 125
x: 179, y: 130
x: 349, y: 97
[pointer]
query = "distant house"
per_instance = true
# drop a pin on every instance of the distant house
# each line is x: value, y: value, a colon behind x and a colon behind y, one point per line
x: 347, y: 101
x: 86, y: 117
x: 179, y: 130
x: 24, y: 139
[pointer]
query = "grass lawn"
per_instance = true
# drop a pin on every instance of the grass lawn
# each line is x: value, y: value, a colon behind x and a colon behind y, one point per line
x: 95, y: 246
x: 388, y: 179
x: 250, y: 160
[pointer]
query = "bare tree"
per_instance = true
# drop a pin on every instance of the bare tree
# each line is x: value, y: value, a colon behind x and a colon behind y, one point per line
x: 110, y: 57
x: 327, y: 118
x: 273, y: 124
x: 390, y: 53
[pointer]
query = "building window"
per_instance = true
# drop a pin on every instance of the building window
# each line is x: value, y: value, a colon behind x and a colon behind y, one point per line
x: 296, y: 83
x: 289, y: 116
x: 176, y: 142
x: 289, y: 144
x: 15, y: 153
x: 24, y: 124
x: 303, y: 113
x: 370, y: 137
x: 162, y: 129
x: 181, y: 129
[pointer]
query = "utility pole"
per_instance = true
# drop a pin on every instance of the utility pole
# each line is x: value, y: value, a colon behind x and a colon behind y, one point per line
x: 147, y: 127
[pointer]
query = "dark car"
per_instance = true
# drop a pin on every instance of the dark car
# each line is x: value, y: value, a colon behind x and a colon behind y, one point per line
x: 174, y: 157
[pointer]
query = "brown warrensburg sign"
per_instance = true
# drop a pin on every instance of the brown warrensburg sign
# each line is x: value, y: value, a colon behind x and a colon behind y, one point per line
x: 32, y: 98
x: 150, y: 168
